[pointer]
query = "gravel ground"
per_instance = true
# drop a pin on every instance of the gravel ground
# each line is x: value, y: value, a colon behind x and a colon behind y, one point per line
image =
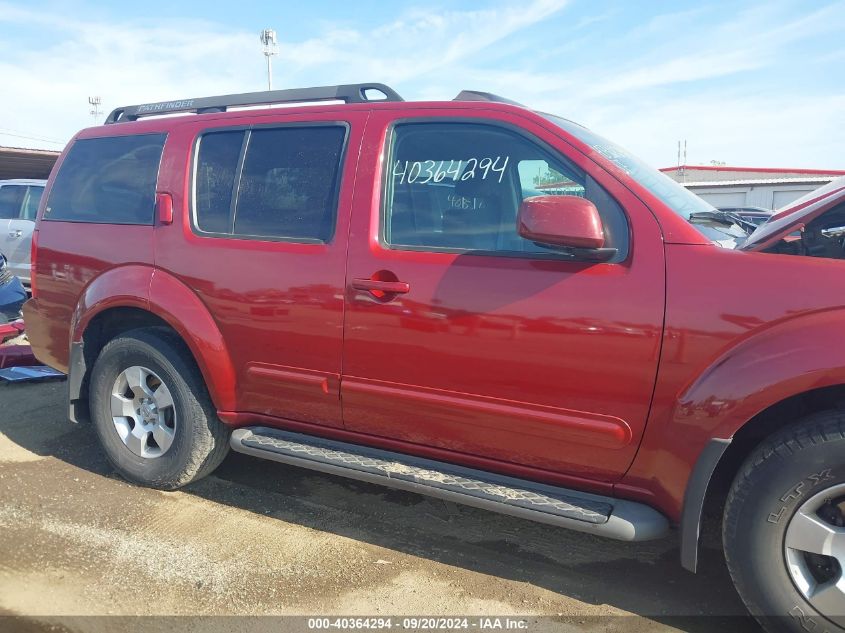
x: 262, y: 539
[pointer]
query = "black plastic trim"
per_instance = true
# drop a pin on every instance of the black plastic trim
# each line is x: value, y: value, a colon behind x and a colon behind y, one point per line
x: 694, y: 499
x: 543, y: 503
x: 348, y: 93
x: 476, y: 95
x: 77, y: 370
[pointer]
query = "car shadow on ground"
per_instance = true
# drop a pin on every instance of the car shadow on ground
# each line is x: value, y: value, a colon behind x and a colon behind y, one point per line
x: 640, y: 578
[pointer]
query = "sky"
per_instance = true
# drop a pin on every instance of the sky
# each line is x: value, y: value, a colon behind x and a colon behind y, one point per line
x: 746, y: 83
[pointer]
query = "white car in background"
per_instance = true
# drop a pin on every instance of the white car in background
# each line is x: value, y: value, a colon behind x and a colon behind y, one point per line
x: 19, y: 201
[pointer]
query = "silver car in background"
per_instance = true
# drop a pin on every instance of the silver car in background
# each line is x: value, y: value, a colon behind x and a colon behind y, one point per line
x: 19, y: 201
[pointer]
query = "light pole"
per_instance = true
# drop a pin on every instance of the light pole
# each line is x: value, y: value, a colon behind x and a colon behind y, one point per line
x: 268, y: 38
x: 95, y: 107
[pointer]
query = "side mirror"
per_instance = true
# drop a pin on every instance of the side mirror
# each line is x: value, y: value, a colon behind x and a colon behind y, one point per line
x: 564, y: 221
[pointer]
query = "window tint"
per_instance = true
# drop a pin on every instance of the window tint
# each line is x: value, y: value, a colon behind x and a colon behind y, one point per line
x: 288, y: 188
x: 31, y: 202
x: 217, y: 162
x: 11, y: 197
x: 538, y: 178
x: 458, y: 186
x: 108, y: 180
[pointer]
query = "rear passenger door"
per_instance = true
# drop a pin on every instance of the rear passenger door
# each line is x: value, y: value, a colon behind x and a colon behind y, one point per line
x: 264, y: 248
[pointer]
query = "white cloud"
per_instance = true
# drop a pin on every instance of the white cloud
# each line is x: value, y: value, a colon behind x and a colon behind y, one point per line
x: 130, y: 63
x: 663, y: 80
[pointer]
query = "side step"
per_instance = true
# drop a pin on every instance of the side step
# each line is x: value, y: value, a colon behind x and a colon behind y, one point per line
x: 584, y: 512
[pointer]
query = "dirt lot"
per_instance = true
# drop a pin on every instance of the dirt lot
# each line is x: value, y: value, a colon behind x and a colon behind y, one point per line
x: 261, y: 538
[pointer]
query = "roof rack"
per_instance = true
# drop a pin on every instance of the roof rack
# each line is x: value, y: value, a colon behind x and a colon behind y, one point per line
x: 475, y: 95
x: 349, y: 93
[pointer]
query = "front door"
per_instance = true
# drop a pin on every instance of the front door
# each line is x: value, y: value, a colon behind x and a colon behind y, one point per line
x: 264, y: 248
x: 463, y: 336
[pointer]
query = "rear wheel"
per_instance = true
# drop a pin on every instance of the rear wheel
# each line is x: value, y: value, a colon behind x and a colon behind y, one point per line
x: 784, y: 528
x: 152, y: 412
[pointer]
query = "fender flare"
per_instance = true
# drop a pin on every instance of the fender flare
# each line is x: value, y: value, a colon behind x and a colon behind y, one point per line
x: 791, y: 357
x: 697, y: 486
x: 162, y: 295
x: 121, y: 287
x: 178, y: 305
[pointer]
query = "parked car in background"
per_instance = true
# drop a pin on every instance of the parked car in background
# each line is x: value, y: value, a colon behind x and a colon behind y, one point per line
x: 19, y: 200
x: 12, y: 293
x: 396, y: 304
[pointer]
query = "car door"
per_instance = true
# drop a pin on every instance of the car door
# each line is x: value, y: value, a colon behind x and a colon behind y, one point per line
x: 20, y: 233
x: 264, y: 248
x: 11, y: 199
x: 461, y: 335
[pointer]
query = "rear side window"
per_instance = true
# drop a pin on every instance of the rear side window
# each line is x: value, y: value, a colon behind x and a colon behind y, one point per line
x: 108, y: 181
x: 285, y: 188
x: 11, y: 197
x: 215, y: 180
x: 31, y: 202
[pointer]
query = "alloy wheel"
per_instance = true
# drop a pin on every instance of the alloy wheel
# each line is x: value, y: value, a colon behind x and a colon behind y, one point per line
x: 143, y: 412
x: 815, y: 552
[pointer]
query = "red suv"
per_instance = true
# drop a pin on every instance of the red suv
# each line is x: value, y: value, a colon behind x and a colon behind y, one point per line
x: 467, y: 299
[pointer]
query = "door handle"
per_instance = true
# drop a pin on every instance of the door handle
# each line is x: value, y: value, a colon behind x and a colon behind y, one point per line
x: 379, y: 286
x: 16, y: 233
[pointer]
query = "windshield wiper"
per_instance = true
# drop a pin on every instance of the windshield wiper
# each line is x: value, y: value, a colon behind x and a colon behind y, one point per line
x: 724, y: 217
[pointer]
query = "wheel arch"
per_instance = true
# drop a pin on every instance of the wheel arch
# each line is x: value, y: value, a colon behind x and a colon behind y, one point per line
x: 166, y: 302
x: 766, y: 381
x: 720, y: 462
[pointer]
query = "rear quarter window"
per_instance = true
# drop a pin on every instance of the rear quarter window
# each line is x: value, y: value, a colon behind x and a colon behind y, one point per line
x: 108, y: 181
x: 11, y: 197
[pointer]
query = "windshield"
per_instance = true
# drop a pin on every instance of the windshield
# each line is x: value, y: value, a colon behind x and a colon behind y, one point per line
x: 675, y: 196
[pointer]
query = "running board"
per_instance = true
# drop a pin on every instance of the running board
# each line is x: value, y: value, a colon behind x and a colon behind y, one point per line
x: 584, y: 512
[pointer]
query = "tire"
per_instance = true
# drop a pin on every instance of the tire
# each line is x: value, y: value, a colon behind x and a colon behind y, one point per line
x: 192, y: 441
x: 775, y: 504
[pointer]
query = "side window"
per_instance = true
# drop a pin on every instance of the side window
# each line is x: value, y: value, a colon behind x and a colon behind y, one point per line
x: 287, y: 187
x: 31, y: 202
x: 538, y: 178
x: 217, y: 162
x: 11, y: 197
x: 108, y: 180
x: 458, y: 187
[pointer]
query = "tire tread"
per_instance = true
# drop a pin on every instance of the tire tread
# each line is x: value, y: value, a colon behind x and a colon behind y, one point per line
x: 819, y: 428
x: 211, y: 436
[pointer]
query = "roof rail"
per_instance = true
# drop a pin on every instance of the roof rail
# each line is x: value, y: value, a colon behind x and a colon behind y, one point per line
x: 349, y: 93
x: 475, y: 95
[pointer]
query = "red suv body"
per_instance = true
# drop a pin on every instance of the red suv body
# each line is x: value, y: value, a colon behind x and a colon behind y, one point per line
x: 396, y: 306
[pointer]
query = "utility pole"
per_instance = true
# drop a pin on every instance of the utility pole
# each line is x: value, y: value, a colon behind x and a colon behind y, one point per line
x: 268, y: 39
x: 95, y: 102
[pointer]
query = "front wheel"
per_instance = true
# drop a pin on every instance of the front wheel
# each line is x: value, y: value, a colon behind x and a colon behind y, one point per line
x: 152, y: 411
x: 784, y: 528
